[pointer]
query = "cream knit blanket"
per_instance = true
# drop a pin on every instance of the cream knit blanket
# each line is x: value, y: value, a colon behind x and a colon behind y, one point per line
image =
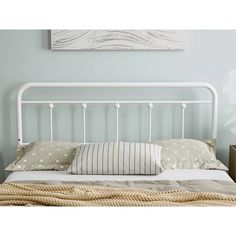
x: 83, y: 195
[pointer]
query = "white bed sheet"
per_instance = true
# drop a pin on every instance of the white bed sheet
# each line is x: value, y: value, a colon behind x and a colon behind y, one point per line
x: 47, y: 176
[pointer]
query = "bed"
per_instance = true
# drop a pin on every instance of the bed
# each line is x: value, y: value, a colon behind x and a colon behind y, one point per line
x: 180, y: 185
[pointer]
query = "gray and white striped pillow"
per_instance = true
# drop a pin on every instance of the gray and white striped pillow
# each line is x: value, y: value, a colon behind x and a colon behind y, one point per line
x: 116, y: 158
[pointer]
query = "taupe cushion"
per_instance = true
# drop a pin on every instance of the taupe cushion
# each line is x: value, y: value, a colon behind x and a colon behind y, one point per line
x: 188, y: 154
x: 116, y: 158
x: 44, y: 155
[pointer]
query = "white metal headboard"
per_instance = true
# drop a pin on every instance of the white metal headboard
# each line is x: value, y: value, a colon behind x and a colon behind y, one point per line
x: 183, y: 103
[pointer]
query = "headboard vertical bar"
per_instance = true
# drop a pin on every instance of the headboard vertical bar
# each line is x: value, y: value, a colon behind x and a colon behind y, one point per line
x: 183, y: 106
x: 117, y: 106
x: 150, y: 106
x: 51, y: 106
x: 214, y: 112
x: 19, y: 121
x: 84, y: 106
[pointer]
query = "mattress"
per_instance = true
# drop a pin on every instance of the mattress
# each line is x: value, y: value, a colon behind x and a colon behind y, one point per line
x: 181, y: 174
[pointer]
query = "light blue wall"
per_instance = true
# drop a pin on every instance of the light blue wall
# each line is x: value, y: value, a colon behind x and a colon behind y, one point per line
x: 25, y: 56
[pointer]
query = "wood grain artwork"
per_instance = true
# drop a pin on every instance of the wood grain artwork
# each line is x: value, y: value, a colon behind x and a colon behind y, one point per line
x: 117, y: 40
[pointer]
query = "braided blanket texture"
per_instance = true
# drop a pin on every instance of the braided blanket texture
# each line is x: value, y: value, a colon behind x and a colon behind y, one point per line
x: 15, y: 194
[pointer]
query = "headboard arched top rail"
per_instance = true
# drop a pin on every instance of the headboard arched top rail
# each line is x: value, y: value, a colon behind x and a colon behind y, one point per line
x: 117, y: 104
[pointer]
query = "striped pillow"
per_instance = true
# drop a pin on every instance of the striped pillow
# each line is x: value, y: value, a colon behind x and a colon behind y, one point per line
x: 116, y: 158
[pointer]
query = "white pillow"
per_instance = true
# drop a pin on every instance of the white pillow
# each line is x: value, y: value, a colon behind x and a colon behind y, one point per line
x: 116, y: 158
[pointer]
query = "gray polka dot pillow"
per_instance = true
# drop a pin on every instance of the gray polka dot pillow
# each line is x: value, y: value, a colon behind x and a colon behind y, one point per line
x: 188, y: 154
x: 44, y: 155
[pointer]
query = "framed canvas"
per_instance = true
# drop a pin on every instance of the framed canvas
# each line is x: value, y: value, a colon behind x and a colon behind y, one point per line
x: 118, y: 40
